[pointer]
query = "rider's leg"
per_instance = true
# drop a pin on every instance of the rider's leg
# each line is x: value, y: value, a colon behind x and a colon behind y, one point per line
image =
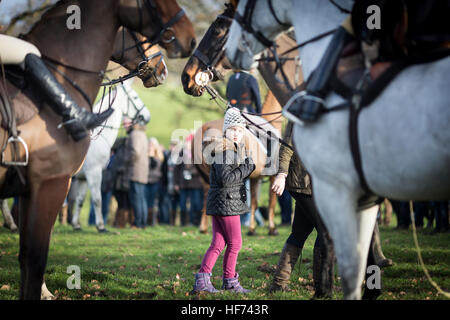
x: 76, y: 119
x: 309, y: 107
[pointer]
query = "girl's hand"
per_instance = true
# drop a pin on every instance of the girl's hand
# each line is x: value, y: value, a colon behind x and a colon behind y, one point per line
x: 279, y: 183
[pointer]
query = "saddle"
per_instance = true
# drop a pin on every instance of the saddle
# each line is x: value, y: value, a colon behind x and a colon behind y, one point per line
x: 24, y: 109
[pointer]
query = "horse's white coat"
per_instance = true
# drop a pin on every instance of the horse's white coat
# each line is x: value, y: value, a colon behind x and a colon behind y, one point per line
x: 126, y: 103
x: 404, y: 135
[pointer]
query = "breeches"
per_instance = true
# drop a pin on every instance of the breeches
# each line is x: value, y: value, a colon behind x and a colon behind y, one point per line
x: 14, y: 50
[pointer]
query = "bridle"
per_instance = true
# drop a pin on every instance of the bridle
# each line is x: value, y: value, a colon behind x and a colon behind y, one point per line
x: 144, y: 71
x: 210, y: 63
x: 246, y: 22
x: 165, y: 33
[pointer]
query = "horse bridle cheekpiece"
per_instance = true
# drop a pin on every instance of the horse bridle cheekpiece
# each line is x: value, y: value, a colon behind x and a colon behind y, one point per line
x: 246, y: 22
x: 144, y: 71
x: 166, y: 33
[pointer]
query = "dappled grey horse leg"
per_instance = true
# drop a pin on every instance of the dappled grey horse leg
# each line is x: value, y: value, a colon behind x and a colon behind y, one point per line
x: 80, y: 195
x: 9, y: 220
x: 350, y: 230
x: 94, y: 183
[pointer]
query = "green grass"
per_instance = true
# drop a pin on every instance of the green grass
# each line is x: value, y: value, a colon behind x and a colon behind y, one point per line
x: 160, y: 262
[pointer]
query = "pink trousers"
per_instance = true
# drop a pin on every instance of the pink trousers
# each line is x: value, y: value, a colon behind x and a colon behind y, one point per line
x: 226, y: 231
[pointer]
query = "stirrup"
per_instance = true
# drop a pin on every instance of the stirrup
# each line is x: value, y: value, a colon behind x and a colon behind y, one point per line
x: 13, y: 162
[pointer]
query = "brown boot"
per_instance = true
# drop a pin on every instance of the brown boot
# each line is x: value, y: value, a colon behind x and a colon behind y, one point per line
x: 129, y: 213
x: 63, y: 215
x: 288, y: 259
x: 120, y: 219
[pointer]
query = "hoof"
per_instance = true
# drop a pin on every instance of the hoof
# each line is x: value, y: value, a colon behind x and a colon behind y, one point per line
x: 104, y: 230
x: 203, y: 231
x: 251, y: 233
x: 385, y: 263
x: 77, y: 229
x: 273, y: 232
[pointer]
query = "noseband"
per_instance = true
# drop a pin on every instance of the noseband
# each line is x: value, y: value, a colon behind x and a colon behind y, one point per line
x: 210, y: 64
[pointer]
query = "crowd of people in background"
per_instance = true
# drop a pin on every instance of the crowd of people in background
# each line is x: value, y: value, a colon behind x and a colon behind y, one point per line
x: 153, y: 185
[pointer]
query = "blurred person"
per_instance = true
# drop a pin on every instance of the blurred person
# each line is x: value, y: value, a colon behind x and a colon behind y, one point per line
x: 121, y: 184
x: 293, y: 177
x: 285, y: 202
x: 164, y: 196
x: 243, y: 92
x: 174, y: 195
x: 153, y: 186
x: 137, y: 146
x: 187, y: 181
x: 441, y: 214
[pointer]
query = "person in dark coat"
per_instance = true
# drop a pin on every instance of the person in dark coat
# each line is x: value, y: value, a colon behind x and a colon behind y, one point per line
x: 227, y: 199
x: 121, y: 185
x: 243, y: 92
x: 188, y: 182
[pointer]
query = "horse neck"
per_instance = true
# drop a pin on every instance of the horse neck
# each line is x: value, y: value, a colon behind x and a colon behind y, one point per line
x: 311, y: 18
x: 291, y: 69
x: 270, y: 105
x: 88, y: 48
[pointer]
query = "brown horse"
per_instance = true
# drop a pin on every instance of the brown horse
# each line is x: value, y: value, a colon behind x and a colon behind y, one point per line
x: 209, y: 57
x: 135, y: 53
x: 53, y: 156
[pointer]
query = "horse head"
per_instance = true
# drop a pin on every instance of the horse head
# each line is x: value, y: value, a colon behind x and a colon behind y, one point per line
x: 133, y: 107
x: 133, y: 52
x: 162, y: 22
x: 209, y: 56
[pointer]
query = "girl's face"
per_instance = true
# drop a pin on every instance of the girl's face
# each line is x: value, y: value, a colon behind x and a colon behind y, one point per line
x: 235, y: 134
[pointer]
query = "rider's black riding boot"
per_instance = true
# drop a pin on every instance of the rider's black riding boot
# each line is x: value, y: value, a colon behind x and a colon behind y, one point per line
x: 308, y: 107
x: 76, y: 120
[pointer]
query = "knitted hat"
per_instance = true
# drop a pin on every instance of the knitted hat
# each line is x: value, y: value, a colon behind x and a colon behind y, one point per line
x: 233, y: 118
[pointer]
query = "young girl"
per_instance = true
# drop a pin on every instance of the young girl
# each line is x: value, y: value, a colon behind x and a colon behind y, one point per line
x: 226, y: 201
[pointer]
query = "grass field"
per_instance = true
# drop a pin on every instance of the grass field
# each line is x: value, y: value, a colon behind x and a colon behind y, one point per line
x: 160, y: 262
